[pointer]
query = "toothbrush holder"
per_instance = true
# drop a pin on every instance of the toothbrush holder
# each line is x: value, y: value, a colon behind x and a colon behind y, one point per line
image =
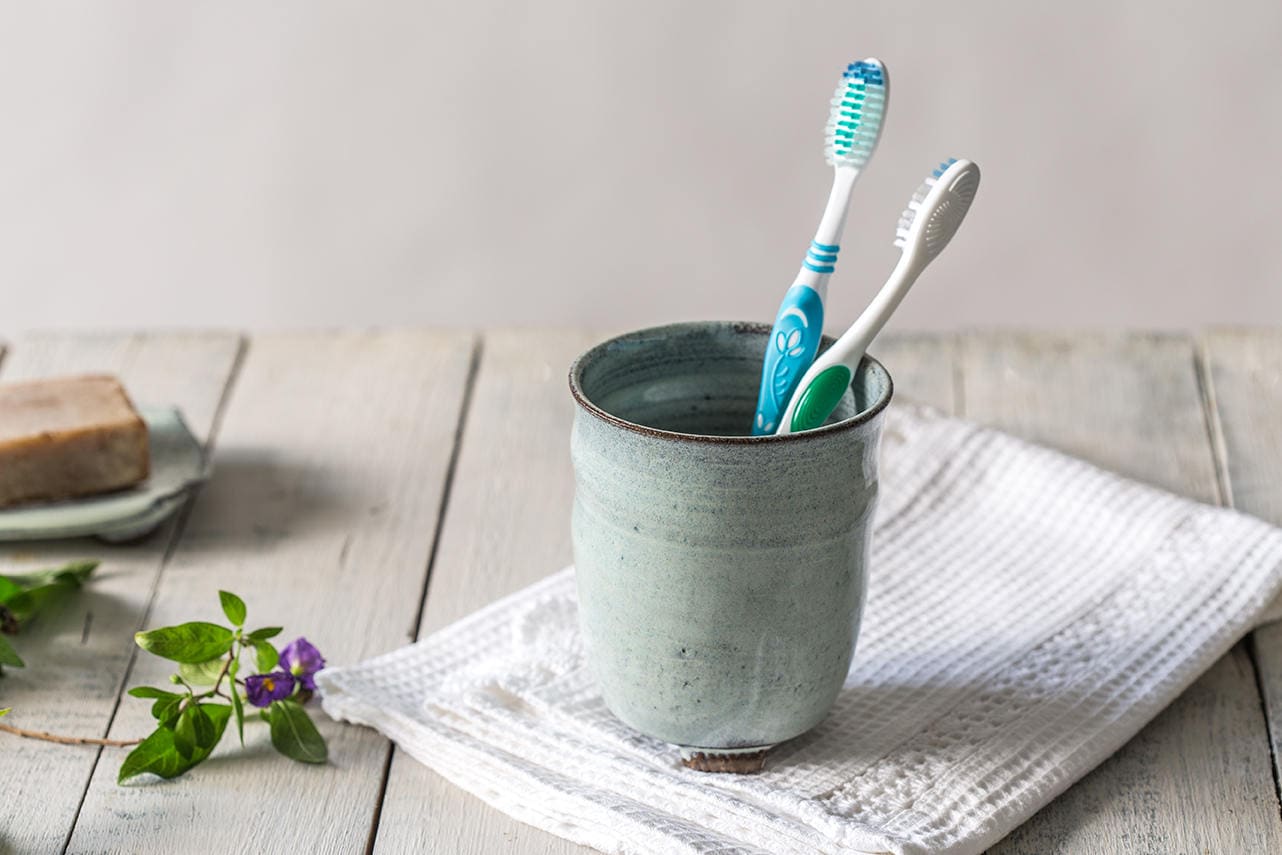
x: 721, y: 576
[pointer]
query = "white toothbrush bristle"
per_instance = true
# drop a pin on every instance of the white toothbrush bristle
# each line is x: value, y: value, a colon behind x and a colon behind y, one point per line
x: 855, y: 121
x: 910, y: 213
x: 947, y: 207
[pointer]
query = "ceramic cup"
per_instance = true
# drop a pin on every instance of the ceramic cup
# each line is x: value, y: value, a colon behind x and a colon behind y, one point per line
x: 721, y: 576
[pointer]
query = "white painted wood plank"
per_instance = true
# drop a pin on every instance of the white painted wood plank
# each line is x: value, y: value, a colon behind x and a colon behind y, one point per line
x: 508, y: 520
x: 77, y: 656
x: 507, y: 525
x: 332, y: 459
x: 1243, y: 371
x: 1244, y: 374
x: 1197, y: 778
x: 922, y: 367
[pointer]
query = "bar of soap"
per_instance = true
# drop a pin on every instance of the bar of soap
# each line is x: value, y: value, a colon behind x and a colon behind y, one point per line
x: 68, y: 437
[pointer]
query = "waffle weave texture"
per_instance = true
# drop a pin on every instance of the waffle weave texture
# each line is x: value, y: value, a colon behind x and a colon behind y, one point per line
x: 1027, y: 614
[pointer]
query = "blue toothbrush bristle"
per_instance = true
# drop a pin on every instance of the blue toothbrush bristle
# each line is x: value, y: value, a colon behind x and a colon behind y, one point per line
x: 868, y: 72
x: 858, y: 106
x: 943, y: 167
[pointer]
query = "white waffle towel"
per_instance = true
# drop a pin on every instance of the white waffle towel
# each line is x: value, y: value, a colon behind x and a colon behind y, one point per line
x: 1027, y: 614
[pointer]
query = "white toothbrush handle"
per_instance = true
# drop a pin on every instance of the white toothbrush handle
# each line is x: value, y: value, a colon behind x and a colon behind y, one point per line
x: 849, y: 349
x: 833, y: 221
x: 828, y: 378
x: 816, y: 269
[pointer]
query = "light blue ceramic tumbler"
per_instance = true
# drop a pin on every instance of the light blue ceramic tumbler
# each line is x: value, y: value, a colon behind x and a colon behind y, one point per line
x: 721, y: 576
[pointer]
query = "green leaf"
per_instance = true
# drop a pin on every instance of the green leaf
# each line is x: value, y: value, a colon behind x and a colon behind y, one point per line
x: 7, y: 589
x: 9, y: 656
x: 219, y: 714
x: 268, y: 658
x: 159, y: 755
x: 25, y: 604
x: 233, y: 607
x: 27, y: 594
x: 156, y: 754
x: 166, y: 710
x: 196, y: 731
x: 203, y: 726
x: 202, y: 673
x: 294, y: 734
x: 185, y: 733
x: 264, y: 633
x: 238, y: 709
x: 189, y: 642
x: 4, y: 712
x: 73, y: 574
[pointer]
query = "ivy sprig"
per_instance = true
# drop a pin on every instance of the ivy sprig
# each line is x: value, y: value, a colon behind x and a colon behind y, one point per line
x: 210, y: 689
x: 191, y: 720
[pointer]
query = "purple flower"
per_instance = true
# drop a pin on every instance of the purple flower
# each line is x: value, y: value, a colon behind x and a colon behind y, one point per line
x: 262, y: 689
x: 302, y: 660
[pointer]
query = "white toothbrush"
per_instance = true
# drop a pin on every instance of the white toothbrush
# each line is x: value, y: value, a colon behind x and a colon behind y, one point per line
x: 854, y: 126
x: 932, y: 218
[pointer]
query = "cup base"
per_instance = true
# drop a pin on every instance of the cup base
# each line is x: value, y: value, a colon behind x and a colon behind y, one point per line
x: 737, y: 761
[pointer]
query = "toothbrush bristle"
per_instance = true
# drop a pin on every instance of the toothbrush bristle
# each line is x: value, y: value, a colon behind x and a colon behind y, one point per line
x: 914, y: 204
x: 946, y: 212
x: 943, y: 167
x: 858, y: 106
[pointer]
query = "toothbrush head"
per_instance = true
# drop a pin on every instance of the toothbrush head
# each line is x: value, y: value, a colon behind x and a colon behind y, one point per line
x: 858, y: 112
x: 938, y: 207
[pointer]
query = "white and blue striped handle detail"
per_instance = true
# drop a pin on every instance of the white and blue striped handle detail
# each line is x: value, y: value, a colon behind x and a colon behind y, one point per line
x: 794, y: 341
x: 821, y: 257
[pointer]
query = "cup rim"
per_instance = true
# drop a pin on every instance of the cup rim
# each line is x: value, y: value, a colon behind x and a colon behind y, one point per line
x: 739, y: 327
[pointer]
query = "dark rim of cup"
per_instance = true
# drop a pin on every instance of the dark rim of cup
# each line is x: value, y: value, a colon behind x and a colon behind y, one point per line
x: 576, y: 389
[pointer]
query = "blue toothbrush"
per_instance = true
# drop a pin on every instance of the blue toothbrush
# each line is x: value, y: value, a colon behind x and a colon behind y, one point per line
x: 854, y: 126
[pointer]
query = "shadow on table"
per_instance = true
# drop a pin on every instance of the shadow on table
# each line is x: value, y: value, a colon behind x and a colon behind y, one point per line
x: 260, y: 497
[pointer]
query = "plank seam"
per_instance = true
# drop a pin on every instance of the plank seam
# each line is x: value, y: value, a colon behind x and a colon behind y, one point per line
x: 180, y: 526
x: 1252, y: 655
x: 1214, y: 426
x: 447, y: 488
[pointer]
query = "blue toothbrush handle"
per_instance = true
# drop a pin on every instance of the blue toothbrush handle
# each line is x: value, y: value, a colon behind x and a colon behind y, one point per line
x: 794, y: 341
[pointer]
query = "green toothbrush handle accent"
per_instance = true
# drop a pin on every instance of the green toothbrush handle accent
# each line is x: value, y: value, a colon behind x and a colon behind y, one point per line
x: 821, y: 397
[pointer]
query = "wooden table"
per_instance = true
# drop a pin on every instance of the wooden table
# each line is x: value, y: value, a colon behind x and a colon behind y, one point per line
x: 371, y: 487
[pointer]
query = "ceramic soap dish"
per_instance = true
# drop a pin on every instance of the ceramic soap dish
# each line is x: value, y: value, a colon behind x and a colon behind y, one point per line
x: 177, y: 466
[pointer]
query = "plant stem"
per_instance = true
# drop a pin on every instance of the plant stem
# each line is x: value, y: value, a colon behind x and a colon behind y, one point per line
x: 68, y: 740
x: 231, y: 656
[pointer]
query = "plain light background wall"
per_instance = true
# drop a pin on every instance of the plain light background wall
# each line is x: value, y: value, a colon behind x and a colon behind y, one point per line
x: 304, y: 163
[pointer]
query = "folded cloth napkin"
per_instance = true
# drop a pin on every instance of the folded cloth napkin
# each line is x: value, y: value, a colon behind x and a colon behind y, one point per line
x: 1027, y: 614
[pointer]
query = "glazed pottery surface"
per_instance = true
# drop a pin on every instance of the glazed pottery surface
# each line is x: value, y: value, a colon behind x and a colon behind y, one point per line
x: 721, y: 576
